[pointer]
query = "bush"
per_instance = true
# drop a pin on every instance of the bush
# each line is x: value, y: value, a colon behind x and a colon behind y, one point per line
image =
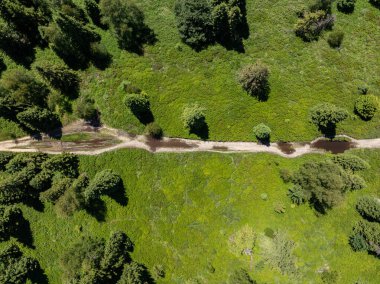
x: 193, y: 117
x: 254, y: 80
x: 154, y: 130
x: 3, y: 67
x: 241, y: 276
x: 128, y: 23
x: 85, y: 109
x: 326, y: 116
x: 335, y: 39
x: 59, y: 186
x: 369, y: 208
x: 366, y: 236
x: 194, y: 22
x: 4, y: 159
x: 26, y: 160
x: 42, y: 181
x: 61, y: 78
x: 366, y: 106
x: 105, y: 182
x: 138, y: 103
x: 312, y: 24
x: 324, y: 5
x: 262, y: 132
x: 286, y: 175
x: 133, y: 273
x: 346, y: 6
x: 350, y: 162
x: 297, y: 194
x: 356, y: 182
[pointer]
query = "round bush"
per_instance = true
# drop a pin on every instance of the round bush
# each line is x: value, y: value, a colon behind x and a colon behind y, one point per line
x: 366, y: 106
x: 154, y: 130
x: 335, y: 39
x: 193, y: 117
x: 254, y: 80
x: 138, y: 103
x: 262, y: 132
x: 346, y: 6
x: 369, y: 208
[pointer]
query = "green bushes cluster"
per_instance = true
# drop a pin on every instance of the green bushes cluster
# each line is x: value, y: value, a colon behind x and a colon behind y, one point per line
x: 98, y: 261
x: 311, y: 25
x: 369, y: 208
x: 366, y: 236
x: 254, y: 79
x: 366, y: 106
x: 350, y: 162
x: 346, y: 6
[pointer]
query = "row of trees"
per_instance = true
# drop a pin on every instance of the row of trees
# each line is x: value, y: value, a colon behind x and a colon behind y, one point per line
x: 201, y: 23
x: 324, y: 183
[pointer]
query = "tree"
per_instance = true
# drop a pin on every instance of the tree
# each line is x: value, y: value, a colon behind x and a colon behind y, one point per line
x: 132, y: 273
x: 4, y: 159
x: 369, y: 208
x: 59, y: 186
x: 326, y: 116
x: 262, y: 132
x: 220, y: 16
x: 366, y: 106
x: 104, y: 182
x: 37, y: 119
x: 61, y: 78
x: 93, y: 11
x: 194, y: 22
x: 346, y: 6
x: 375, y: 3
x: 350, y: 162
x: 254, y: 79
x: 128, y: 23
x: 311, y: 25
x: 193, y: 117
x: 321, y: 5
x: 66, y: 164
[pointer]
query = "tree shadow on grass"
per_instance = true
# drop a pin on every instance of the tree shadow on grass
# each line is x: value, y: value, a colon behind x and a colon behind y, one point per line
x: 328, y: 131
x: 145, y: 117
x: 25, y: 235
x: 202, y: 131
x: 119, y: 195
x: 97, y: 209
x: 35, y: 203
x: 38, y: 276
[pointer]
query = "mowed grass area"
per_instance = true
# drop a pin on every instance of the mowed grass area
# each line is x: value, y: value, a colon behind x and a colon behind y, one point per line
x: 302, y: 75
x: 182, y: 209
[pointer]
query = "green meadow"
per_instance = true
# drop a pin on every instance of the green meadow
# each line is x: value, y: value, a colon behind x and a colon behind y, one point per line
x: 182, y: 210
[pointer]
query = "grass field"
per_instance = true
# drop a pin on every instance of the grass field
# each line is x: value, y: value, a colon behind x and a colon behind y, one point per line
x: 182, y: 209
x: 302, y: 74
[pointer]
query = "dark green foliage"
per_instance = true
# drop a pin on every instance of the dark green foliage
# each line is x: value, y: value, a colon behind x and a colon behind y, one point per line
x: 240, y: 276
x: 366, y: 236
x: 254, y: 79
x: 221, y: 22
x: 194, y: 22
x: 346, y: 6
x: 324, y: 5
x: 85, y: 109
x: 375, y: 3
x: 31, y: 160
x: 128, y: 23
x: 4, y: 159
x: 3, y: 67
x: 66, y: 164
x: 104, y: 183
x: 335, y: 39
x: 325, y: 116
x: 100, y: 56
x: 69, y: 8
x: 154, y: 130
x: 16, y: 268
x: 10, y: 220
x: 369, y: 208
x: 133, y: 273
x: 37, y: 119
x: 59, y: 186
x: 138, y: 103
x: 93, y: 11
x: 366, y: 107
x: 193, y: 117
x: 350, y: 162
x: 61, y: 78
x: 324, y: 183
x: 73, y: 198
x: 297, y: 195
x: 262, y: 132
x: 24, y: 90
x: 42, y: 181
x: 356, y: 182
x: 311, y: 25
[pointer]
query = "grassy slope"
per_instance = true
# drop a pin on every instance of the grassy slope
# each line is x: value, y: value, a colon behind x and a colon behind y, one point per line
x: 302, y: 74
x: 183, y: 208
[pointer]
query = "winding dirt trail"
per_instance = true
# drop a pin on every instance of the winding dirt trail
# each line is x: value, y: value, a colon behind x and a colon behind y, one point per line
x: 121, y: 140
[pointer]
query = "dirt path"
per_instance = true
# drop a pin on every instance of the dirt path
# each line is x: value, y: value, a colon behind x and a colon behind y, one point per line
x: 174, y: 145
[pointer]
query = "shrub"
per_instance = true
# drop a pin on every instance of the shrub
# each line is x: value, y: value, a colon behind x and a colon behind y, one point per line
x: 369, y: 208
x: 312, y: 24
x: 61, y: 78
x: 105, y: 182
x: 66, y: 164
x: 326, y: 116
x: 356, y: 182
x: 42, y: 181
x: 128, y: 87
x: 350, y: 162
x: 138, y: 103
x: 4, y: 159
x: 59, y: 186
x: 346, y: 6
x: 297, y: 194
x: 366, y: 106
x: 85, y: 109
x: 286, y: 175
x: 193, y: 117
x: 194, y: 22
x: 262, y: 132
x: 254, y: 80
x: 133, y: 273
x: 324, y: 5
x: 241, y: 276
x: 366, y: 236
x: 154, y: 130
x: 335, y: 39
x: 128, y: 23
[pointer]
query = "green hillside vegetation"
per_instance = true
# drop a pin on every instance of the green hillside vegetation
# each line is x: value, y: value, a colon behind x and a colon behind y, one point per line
x: 228, y: 212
